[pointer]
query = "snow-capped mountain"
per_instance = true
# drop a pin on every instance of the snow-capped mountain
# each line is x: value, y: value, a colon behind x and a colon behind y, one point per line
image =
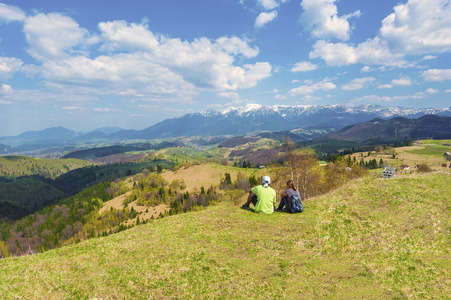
x: 254, y: 118
x: 312, y: 120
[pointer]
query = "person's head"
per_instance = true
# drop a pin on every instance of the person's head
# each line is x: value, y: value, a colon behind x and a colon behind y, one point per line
x: 290, y: 184
x: 266, y: 181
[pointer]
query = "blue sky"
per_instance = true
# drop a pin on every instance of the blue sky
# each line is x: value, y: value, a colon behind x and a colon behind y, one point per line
x: 90, y: 64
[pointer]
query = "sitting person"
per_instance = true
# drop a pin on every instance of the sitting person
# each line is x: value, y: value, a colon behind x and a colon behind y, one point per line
x: 263, y: 197
x: 287, y: 195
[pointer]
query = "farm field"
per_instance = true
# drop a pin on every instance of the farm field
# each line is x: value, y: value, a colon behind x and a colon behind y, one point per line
x: 429, y: 151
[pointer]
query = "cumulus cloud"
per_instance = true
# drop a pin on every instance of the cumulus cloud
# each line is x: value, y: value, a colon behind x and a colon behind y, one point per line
x: 403, y: 81
x: 358, y: 83
x: 371, y: 52
x: 419, y: 27
x: 270, y: 4
x: 310, y: 88
x: 415, y: 28
x: 9, y: 66
x: 52, y: 36
x: 303, y: 66
x: 321, y: 18
x: 136, y: 63
x: 376, y: 99
x: 10, y: 13
x: 264, y: 18
x: 120, y: 36
x: 437, y: 74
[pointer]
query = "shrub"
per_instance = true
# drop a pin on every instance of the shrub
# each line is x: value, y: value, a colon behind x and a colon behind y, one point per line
x: 424, y: 168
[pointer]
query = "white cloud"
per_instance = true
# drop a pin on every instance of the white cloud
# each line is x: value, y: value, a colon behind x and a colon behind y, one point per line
x: 371, y: 52
x: 120, y: 36
x: 321, y: 18
x: 358, y: 83
x: 270, y: 4
x: 105, y: 110
x: 10, y: 13
x: 229, y: 95
x: 47, y: 99
x: 310, y: 88
x: 52, y: 36
x: 9, y: 66
x: 415, y: 28
x: 418, y: 27
x: 432, y: 91
x: 236, y: 46
x: 279, y: 97
x: 403, y: 81
x: 385, y: 86
x: 303, y: 66
x: 74, y: 108
x: 311, y: 98
x: 264, y: 18
x: 136, y: 63
x: 238, y: 102
x: 376, y: 99
x: 429, y: 57
x: 437, y: 74
x: 5, y: 89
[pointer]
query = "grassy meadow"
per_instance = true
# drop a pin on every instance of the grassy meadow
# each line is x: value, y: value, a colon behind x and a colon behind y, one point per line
x: 371, y: 239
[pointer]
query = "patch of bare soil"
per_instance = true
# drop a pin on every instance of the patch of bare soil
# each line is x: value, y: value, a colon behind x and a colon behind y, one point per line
x: 151, y: 211
x: 117, y: 203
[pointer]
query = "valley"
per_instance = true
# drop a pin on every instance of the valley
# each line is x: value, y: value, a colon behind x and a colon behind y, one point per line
x: 177, y: 200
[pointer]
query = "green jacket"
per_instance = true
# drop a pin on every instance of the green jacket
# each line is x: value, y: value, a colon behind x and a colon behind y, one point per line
x: 266, y: 199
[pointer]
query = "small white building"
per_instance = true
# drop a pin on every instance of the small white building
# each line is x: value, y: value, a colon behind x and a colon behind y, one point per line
x: 389, y: 172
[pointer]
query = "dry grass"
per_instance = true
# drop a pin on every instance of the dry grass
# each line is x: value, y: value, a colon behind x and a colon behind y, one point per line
x: 205, y: 175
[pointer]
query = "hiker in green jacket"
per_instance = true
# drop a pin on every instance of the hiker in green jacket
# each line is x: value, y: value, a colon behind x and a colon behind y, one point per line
x: 263, y: 197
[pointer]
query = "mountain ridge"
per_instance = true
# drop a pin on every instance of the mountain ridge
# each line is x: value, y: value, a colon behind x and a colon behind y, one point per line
x: 248, y: 119
x: 428, y: 126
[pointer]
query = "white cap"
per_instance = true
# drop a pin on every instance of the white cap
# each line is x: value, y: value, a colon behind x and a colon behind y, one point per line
x: 266, y: 180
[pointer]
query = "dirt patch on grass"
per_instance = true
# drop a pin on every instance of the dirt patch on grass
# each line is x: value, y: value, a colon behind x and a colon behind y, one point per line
x: 117, y: 203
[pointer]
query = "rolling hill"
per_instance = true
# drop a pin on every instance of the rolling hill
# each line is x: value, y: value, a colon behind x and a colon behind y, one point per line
x: 371, y: 239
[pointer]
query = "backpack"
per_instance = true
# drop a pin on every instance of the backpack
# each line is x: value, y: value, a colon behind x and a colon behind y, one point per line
x: 296, y: 204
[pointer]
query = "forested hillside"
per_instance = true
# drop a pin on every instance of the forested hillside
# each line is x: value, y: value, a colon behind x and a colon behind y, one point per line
x: 16, y: 166
x: 27, y: 194
x: 79, y: 216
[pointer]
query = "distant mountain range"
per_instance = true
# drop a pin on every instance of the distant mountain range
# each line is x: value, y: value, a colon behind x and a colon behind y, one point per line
x: 314, y: 120
x: 429, y: 126
x: 257, y: 118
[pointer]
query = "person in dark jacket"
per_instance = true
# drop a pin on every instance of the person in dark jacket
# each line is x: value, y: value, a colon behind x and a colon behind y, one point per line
x: 287, y: 195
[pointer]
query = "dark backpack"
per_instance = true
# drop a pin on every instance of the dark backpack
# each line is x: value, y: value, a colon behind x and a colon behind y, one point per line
x: 296, y: 204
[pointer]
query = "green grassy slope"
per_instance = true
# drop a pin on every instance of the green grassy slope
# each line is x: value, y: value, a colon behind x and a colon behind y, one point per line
x: 372, y: 239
